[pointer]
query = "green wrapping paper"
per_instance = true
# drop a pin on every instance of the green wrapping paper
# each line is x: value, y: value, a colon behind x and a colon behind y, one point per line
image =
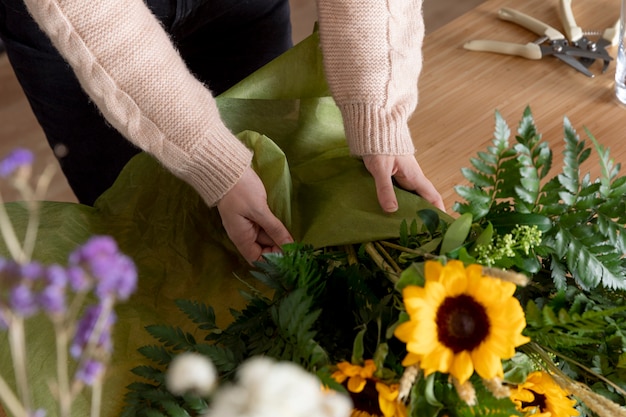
x: 325, y: 196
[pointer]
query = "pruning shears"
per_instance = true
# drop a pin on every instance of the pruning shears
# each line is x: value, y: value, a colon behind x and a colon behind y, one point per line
x: 578, y: 37
x: 551, y: 43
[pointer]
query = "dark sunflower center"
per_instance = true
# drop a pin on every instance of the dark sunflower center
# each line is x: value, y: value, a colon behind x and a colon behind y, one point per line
x: 367, y: 400
x: 462, y: 323
x: 539, y: 402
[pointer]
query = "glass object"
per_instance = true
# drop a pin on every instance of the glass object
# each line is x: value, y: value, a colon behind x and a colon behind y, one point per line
x: 620, y: 65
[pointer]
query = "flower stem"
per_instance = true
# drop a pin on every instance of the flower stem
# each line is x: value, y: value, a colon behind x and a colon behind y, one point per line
x: 8, y: 234
x: 64, y: 393
x: 10, y: 400
x: 18, y: 354
x: 96, y: 397
x: 380, y: 261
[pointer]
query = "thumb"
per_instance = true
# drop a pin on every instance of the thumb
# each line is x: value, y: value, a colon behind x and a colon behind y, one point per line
x: 274, y: 228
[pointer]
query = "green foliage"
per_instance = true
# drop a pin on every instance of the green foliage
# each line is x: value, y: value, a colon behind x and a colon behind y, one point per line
x: 582, y: 221
x: 321, y: 307
x: 314, y: 292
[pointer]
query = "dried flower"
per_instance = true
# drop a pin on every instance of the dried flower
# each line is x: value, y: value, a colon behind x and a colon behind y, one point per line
x: 22, y: 301
x: 87, y: 326
x: 114, y: 272
x: 17, y: 159
x: 191, y: 373
x: 90, y: 371
x: 266, y: 388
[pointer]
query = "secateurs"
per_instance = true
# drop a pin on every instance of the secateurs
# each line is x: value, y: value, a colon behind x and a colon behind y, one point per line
x: 578, y: 37
x: 551, y: 43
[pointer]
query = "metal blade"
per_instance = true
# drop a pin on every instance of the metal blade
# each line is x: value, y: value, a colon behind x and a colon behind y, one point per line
x: 574, y: 63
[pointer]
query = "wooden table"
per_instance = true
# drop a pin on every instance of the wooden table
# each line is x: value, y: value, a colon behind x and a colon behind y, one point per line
x: 460, y: 90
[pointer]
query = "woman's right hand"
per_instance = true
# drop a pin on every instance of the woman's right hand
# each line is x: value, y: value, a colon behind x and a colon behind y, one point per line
x: 248, y: 220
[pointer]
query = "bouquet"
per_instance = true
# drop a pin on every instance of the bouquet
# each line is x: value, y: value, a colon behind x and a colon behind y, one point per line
x: 516, y: 307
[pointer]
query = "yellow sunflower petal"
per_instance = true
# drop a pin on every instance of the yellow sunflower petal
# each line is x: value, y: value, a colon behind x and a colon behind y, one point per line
x: 406, y: 331
x: 411, y: 359
x: 356, y: 384
x: 348, y: 369
x: 462, y: 366
x: 432, y: 270
x: 386, y: 392
x: 368, y: 368
x: 454, y: 278
x: 487, y: 364
x: 439, y: 359
x: 339, y: 376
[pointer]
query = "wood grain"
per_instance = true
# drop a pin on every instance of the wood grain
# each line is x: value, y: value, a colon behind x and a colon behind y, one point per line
x: 18, y: 126
x: 461, y: 90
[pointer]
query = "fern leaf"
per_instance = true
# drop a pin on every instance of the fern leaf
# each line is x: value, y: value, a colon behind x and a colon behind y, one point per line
x: 172, y: 336
x: 478, y: 179
x: 157, y: 354
x: 223, y: 358
x: 149, y: 372
x: 199, y: 313
x: 502, y: 132
x: 173, y: 409
x: 485, y: 165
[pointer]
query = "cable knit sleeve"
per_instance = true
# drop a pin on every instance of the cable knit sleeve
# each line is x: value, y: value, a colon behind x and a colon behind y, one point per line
x: 373, y: 58
x: 126, y: 63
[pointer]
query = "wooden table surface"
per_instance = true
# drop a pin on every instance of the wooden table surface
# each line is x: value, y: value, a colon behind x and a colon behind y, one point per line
x: 460, y: 90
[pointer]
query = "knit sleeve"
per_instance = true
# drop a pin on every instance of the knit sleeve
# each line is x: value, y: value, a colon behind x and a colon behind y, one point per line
x: 373, y: 58
x: 128, y: 66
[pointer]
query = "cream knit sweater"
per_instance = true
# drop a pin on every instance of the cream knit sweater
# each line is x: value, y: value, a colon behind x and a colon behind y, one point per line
x: 130, y: 69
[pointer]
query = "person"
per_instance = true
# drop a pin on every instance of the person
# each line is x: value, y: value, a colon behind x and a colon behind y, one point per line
x: 142, y: 76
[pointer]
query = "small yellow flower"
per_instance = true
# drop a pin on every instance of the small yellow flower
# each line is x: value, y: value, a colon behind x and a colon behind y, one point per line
x: 461, y: 321
x: 357, y: 375
x: 371, y: 398
x: 540, y: 396
x: 388, y: 400
x: 359, y: 413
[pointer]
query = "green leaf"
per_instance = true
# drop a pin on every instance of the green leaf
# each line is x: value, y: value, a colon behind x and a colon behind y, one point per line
x: 171, y: 336
x: 477, y: 178
x: 358, y: 347
x: 413, y: 275
x: 430, y: 219
x: 150, y: 373
x: 199, y: 313
x: 457, y: 233
x: 157, y: 354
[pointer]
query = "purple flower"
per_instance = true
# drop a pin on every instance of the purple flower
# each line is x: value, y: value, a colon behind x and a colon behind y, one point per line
x: 56, y: 275
x: 90, y: 371
x: 114, y: 272
x: 4, y: 324
x: 22, y: 301
x: 78, y: 279
x: 40, y: 412
x: 86, y: 326
x: 17, y: 158
x: 52, y: 299
x: 31, y: 271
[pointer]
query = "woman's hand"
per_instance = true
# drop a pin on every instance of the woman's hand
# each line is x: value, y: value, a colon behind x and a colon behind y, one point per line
x: 407, y: 173
x: 248, y: 220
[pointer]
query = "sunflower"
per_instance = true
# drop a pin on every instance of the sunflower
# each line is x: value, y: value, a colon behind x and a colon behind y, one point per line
x: 461, y: 321
x: 540, y: 396
x: 356, y: 375
x: 388, y: 400
x: 371, y: 397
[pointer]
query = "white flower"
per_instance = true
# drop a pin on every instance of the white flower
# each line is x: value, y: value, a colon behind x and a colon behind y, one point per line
x: 191, y: 373
x: 266, y: 388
